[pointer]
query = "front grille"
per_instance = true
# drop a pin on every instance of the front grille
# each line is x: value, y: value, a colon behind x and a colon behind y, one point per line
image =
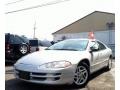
x: 24, y: 75
x: 57, y: 74
x: 39, y: 73
x: 56, y: 78
x: 38, y: 76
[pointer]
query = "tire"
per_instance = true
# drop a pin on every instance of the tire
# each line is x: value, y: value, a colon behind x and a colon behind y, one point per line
x: 109, y: 66
x: 23, y: 49
x: 82, y: 74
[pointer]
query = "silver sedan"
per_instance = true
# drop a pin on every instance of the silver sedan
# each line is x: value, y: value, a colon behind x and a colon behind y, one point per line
x: 67, y: 62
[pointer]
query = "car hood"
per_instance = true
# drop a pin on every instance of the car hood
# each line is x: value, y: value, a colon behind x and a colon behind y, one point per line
x: 45, y: 56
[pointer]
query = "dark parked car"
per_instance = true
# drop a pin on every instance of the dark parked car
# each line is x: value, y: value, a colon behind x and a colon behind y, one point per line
x: 15, y: 47
x: 34, y: 45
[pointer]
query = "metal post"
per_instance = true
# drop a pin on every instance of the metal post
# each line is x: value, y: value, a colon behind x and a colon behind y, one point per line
x: 34, y: 29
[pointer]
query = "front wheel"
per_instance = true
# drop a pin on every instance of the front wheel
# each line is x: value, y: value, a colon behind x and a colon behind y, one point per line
x: 81, y: 75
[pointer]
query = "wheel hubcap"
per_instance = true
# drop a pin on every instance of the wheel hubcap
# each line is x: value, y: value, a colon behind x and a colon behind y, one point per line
x: 23, y: 49
x: 81, y: 75
x: 110, y: 64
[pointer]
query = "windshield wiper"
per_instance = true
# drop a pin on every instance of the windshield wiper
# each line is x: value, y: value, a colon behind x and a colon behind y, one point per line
x: 66, y: 49
x: 62, y: 49
x: 47, y: 49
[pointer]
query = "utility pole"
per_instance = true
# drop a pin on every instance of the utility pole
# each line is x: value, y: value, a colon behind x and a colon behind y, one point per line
x: 34, y: 30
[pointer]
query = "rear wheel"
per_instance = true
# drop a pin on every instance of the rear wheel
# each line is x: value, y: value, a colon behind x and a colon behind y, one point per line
x: 81, y: 75
x: 109, y: 66
x: 23, y: 49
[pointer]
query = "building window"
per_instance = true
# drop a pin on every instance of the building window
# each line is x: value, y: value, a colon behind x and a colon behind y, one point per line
x: 63, y: 37
x: 110, y: 25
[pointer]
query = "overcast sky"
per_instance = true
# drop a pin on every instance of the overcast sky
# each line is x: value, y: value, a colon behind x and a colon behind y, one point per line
x: 49, y: 18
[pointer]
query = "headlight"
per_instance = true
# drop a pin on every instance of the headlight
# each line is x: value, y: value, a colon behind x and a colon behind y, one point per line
x: 56, y: 64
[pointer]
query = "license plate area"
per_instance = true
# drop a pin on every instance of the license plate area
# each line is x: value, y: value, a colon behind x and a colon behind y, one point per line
x: 24, y: 75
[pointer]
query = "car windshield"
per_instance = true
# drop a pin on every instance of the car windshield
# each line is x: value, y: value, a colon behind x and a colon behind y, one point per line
x: 72, y: 44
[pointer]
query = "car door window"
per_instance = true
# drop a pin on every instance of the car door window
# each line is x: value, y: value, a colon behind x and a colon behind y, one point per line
x: 93, y: 44
x: 17, y: 40
x: 101, y: 46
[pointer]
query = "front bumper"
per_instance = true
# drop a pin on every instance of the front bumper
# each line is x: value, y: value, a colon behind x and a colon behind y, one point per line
x: 45, y: 76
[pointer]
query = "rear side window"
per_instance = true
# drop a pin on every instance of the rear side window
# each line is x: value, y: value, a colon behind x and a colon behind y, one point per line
x: 6, y: 38
x: 25, y: 40
x: 11, y: 39
x: 15, y: 39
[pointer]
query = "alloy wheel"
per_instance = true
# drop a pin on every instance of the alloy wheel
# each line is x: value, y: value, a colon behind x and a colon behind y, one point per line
x: 81, y: 75
x: 23, y: 49
x: 110, y: 63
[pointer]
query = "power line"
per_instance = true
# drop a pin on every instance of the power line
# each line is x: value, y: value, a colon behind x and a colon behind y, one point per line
x: 46, y: 4
x: 14, y: 2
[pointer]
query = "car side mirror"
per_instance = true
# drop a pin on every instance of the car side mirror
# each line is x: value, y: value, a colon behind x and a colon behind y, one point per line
x: 94, y: 48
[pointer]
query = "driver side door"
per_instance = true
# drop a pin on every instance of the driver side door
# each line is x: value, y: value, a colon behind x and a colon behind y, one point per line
x: 94, y: 55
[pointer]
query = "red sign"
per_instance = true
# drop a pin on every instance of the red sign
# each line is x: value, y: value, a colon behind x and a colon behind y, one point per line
x: 91, y: 35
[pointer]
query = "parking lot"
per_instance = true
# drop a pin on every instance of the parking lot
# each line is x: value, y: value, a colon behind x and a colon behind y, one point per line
x: 101, y: 80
